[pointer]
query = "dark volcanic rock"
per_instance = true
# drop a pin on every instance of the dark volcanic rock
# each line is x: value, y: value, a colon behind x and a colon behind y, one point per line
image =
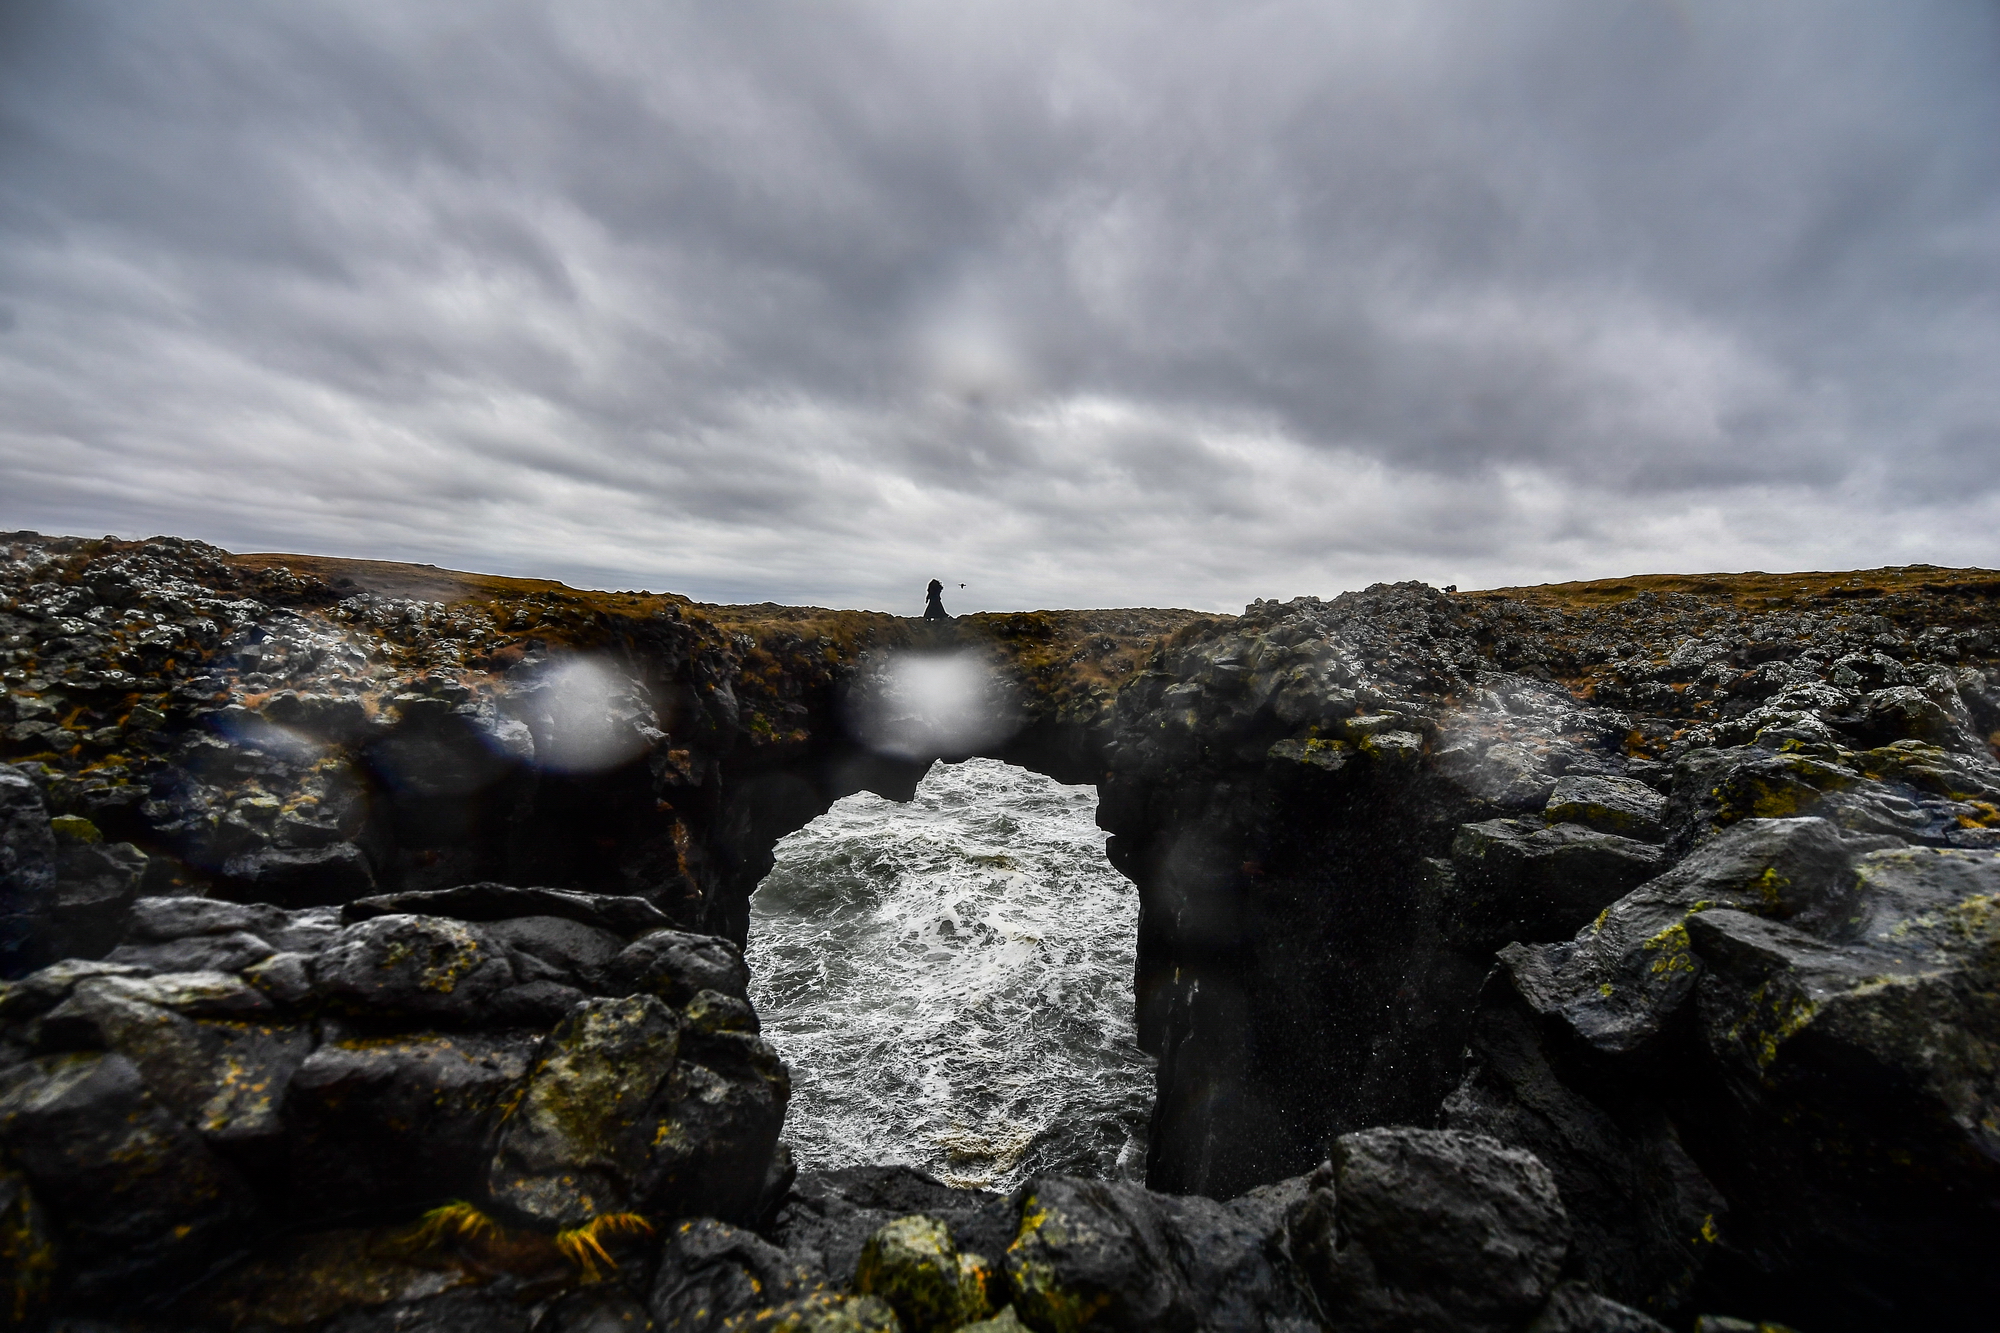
x: 301, y: 877
x: 579, y: 1141
x: 27, y: 871
x: 1746, y: 1027
x: 1775, y: 1049
x: 502, y: 902
x: 1114, y: 1256
x: 1519, y: 880
x: 197, y: 1092
x: 1625, y: 806
x: 140, y: 1199
x: 1410, y: 1228
x: 379, y: 1123
x: 830, y: 1215
x: 414, y: 967
x: 676, y: 965
x: 711, y: 1273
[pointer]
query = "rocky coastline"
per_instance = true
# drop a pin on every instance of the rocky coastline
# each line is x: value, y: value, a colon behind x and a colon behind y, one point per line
x: 1600, y: 956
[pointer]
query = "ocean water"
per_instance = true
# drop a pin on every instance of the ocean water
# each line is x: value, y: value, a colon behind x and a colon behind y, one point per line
x: 950, y: 982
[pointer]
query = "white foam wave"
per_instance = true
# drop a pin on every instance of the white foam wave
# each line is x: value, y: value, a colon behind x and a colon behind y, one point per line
x: 950, y: 982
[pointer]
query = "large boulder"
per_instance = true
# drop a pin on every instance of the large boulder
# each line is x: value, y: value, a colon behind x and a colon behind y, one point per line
x: 674, y: 965
x: 614, y: 1120
x: 579, y: 1142
x: 139, y: 1198
x: 913, y: 1264
x: 1431, y: 1229
x: 1767, y: 1076
x: 487, y: 901
x: 202, y: 1041
x: 1609, y: 804
x: 711, y: 1274
x: 1112, y: 1255
x: 414, y: 967
x: 1518, y: 879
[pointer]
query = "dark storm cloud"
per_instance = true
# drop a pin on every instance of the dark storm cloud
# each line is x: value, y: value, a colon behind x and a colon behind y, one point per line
x: 1078, y: 304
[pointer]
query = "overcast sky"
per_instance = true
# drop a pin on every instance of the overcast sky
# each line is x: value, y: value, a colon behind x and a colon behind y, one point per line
x: 1089, y: 304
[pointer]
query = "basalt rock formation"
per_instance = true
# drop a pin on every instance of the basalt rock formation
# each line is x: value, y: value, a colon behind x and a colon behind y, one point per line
x: 1688, y: 890
x: 376, y: 937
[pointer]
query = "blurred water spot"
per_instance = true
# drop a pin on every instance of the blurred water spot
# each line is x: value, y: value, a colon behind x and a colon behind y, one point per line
x: 588, y: 713
x: 923, y: 705
x: 950, y: 982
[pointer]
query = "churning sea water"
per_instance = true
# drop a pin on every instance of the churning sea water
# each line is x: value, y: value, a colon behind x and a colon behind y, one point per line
x: 950, y: 982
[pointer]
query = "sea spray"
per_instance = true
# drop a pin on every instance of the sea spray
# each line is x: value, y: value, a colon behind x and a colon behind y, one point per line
x: 950, y: 982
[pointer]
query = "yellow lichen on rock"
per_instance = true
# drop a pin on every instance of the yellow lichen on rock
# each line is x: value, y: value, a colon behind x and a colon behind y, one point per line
x: 27, y: 1251
x: 913, y: 1264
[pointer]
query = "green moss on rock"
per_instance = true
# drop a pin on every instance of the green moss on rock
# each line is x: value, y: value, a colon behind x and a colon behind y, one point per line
x: 913, y: 1264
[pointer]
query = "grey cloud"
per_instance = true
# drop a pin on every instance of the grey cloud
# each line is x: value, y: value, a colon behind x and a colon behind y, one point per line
x: 1105, y: 304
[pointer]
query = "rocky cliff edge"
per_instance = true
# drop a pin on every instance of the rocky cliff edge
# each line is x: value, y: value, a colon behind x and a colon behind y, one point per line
x: 367, y: 979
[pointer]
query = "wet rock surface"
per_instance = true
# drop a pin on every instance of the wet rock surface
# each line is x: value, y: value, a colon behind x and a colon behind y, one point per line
x: 1696, y: 877
x: 373, y: 936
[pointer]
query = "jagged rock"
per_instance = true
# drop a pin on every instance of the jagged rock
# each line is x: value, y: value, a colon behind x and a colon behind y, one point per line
x: 1837, y: 1067
x: 378, y: 1122
x: 829, y: 1215
x: 1519, y: 881
x: 27, y: 870
x: 1004, y: 1322
x: 580, y: 1141
x: 285, y: 977
x: 302, y: 876
x: 712, y: 1276
x: 1906, y: 713
x: 1618, y: 981
x: 1430, y: 1229
x: 165, y: 919
x: 1716, y: 788
x: 711, y: 1013
x: 47, y: 987
x: 503, y: 902
x: 225, y: 1079
x: 913, y: 1264
x: 1513, y: 775
x: 1624, y: 806
x: 1115, y: 1256
x: 141, y: 1198
x: 553, y: 948
x: 714, y: 1146
x: 413, y: 967
x: 675, y: 965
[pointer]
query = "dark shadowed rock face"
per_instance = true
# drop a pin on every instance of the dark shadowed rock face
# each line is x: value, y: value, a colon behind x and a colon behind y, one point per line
x: 1418, y: 1229
x: 1685, y: 862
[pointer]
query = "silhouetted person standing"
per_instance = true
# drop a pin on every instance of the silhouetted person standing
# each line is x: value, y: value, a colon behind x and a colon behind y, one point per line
x: 934, y: 602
